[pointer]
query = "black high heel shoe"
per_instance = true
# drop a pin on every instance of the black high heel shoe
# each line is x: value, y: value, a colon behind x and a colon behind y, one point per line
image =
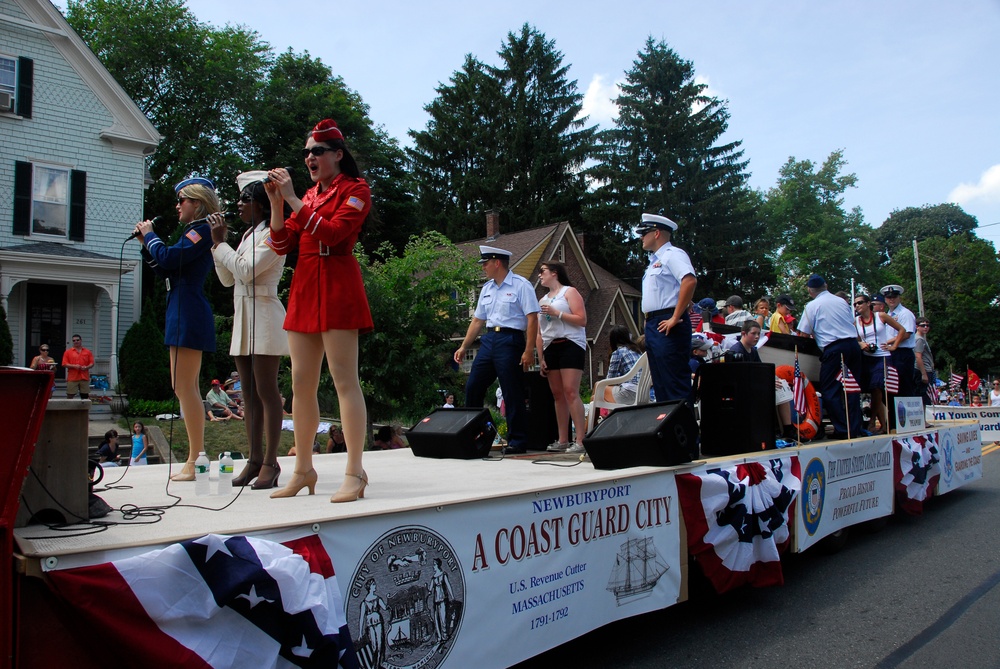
x: 249, y: 473
x: 263, y: 480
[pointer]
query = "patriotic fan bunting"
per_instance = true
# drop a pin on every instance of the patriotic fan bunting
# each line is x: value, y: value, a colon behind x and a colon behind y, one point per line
x: 217, y: 602
x: 737, y: 520
x: 918, y: 468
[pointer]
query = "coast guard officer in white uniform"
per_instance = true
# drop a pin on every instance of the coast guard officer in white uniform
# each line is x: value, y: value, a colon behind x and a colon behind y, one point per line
x: 509, y: 309
x: 667, y: 288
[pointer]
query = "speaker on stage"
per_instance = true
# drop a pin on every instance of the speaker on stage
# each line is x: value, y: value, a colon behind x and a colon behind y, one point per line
x: 737, y: 407
x: 657, y: 435
x: 453, y: 433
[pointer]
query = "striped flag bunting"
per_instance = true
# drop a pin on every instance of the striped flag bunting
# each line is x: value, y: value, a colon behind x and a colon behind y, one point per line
x: 217, y: 601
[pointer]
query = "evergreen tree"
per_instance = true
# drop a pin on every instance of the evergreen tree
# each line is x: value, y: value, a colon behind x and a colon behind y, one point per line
x: 144, y: 362
x: 504, y: 137
x: 665, y: 155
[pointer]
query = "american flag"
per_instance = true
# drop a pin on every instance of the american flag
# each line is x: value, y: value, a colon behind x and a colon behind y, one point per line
x: 891, y: 380
x: 799, y: 389
x: 695, y: 319
x: 956, y: 381
x: 218, y: 601
x: 932, y: 392
x: 847, y: 379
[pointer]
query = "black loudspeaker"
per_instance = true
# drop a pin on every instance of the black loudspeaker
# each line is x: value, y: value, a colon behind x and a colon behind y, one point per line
x: 737, y: 407
x: 453, y: 433
x: 656, y: 435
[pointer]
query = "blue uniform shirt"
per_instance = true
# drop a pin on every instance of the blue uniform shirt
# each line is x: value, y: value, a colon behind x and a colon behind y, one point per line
x: 506, y: 305
x: 661, y: 284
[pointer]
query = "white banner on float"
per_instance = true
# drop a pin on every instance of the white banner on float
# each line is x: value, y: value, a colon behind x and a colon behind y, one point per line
x: 843, y: 484
x: 961, y: 456
x: 988, y: 417
x: 493, y: 583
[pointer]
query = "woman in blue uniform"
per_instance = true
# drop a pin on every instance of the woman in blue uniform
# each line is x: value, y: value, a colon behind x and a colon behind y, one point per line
x: 190, y: 328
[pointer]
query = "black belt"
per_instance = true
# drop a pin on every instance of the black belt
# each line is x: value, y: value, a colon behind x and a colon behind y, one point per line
x: 494, y: 328
x: 659, y: 312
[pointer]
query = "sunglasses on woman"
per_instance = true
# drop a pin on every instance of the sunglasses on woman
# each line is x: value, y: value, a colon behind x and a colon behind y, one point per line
x: 316, y: 151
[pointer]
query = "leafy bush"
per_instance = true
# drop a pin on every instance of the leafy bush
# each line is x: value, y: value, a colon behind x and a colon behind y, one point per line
x: 140, y: 407
x: 144, y: 361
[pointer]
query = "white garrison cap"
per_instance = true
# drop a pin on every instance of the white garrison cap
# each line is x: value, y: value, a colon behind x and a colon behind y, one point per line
x: 492, y: 253
x: 892, y: 288
x: 246, y: 178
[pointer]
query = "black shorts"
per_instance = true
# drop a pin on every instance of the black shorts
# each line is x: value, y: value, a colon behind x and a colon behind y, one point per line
x: 564, y: 354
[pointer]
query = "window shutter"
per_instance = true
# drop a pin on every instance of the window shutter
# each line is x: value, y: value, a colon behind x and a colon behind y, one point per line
x: 22, y: 198
x: 77, y: 205
x: 25, y: 82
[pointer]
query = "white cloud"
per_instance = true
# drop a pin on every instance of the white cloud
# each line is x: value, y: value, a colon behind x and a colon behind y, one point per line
x: 598, y: 101
x: 986, y: 191
x: 707, y: 92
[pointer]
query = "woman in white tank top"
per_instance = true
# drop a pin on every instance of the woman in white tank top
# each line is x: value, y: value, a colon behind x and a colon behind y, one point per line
x: 562, y: 338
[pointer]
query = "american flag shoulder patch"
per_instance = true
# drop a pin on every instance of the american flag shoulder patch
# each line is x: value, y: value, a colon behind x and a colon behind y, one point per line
x: 270, y: 243
x: 193, y: 236
x: 356, y: 202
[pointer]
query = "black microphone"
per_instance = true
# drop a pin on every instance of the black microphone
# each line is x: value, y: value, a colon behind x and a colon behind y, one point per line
x: 266, y: 180
x: 136, y: 235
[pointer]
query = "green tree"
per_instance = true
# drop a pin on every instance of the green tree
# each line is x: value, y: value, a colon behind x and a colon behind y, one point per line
x: 960, y: 281
x: 454, y: 160
x: 937, y: 220
x: 197, y: 84
x: 805, y: 217
x: 665, y: 155
x: 416, y: 310
x: 506, y: 137
x: 299, y: 92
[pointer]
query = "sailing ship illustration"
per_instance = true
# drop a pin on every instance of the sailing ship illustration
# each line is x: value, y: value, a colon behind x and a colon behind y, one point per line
x: 637, y: 570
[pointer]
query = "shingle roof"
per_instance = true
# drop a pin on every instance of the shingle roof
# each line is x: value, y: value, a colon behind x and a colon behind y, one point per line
x: 54, y: 249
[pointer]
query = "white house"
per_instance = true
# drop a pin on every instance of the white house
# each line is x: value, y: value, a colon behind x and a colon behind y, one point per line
x: 72, y: 176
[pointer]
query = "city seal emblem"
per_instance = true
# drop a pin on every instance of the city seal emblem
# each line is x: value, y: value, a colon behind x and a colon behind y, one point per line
x: 406, y: 600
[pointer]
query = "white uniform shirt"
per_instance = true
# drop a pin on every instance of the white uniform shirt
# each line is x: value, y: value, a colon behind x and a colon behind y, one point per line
x: 828, y: 318
x: 506, y: 305
x: 905, y: 318
x: 661, y: 284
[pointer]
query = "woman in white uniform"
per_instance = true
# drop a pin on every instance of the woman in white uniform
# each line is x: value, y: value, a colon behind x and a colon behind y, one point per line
x: 259, y: 340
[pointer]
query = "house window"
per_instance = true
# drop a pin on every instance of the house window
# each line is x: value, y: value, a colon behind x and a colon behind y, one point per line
x: 562, y: 253
x: 614, y: 316
x: 8, y: 80
x: 49, y: 201
x: 16, y: 83
x: 600, y: 368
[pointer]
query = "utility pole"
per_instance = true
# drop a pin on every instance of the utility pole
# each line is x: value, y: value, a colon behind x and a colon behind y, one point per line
x: 916, y: 267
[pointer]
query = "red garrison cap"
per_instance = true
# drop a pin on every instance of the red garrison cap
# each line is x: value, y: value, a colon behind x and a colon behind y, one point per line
x: 327, y: 131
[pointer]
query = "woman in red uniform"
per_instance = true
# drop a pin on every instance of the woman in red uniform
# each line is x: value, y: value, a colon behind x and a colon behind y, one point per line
x: 327, y: 306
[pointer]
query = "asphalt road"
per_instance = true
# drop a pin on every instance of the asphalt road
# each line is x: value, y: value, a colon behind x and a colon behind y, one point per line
x: 919, y: 592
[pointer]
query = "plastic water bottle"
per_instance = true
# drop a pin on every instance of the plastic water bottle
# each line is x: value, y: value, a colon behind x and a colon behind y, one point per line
x: 226, y: 474
x: 202, y: 487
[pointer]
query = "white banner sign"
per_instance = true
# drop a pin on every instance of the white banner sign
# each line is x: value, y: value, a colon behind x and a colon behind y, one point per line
x: 961, y: 456
x: 988, y: 417
x: 493, y: 583
x: 843, y: 484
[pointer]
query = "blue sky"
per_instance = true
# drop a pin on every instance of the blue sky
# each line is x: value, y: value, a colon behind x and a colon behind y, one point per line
x: 907, y: 89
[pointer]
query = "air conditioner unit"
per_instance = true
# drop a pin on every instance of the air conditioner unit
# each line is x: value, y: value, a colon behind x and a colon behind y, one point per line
x: 6, y: 102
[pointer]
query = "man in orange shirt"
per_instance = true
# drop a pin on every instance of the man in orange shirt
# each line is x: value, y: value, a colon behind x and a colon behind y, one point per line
x: 78, y: 361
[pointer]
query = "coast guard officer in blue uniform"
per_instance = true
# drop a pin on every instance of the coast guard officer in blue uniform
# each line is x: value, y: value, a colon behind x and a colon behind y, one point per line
x: 509, y: 309
x: 667, y: 288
